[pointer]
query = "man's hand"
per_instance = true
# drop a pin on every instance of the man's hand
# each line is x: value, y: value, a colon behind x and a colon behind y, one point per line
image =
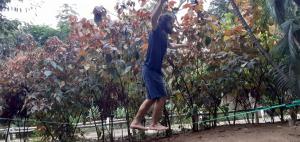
x: 156, y: 13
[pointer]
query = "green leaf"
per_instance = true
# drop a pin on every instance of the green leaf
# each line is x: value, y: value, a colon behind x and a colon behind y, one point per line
x: 56, y: 66
x: 244, y: 65
x: 60, y: 68
x: 47, y: 73
x: 207, y: 41
x: 58, y: 96
x: 127, y: 70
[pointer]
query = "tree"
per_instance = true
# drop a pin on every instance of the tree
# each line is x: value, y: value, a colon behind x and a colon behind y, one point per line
x: 41, y: 33
x: 219, y: 7
x: 9, y: 33
x: 3, y: 6
x: 63, y: 20
x: 285, y: 13
x: 97, y: 70
x: 65, y: 12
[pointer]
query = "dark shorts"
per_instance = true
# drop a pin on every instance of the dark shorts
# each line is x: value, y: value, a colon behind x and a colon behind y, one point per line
x: 155, y: 84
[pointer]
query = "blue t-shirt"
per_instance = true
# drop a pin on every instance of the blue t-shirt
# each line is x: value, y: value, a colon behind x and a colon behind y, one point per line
x: 157, y: 47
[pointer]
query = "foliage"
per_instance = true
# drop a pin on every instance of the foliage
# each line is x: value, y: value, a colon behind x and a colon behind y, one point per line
x: 63, y: 23
x: 95, y: 72
x: 2, y: 6
x: 219, y: 7
x: 65, y: 12
x: 9, y: 31
x: 65, y: 78
x: 286, y: 14
x: 41, y: 33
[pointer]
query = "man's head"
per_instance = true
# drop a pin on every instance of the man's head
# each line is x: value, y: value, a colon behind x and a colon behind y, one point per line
x: 166, y: 22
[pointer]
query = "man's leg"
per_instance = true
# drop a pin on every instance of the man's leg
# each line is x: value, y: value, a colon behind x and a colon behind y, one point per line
x: 136, y: 123
x: 157, y: 113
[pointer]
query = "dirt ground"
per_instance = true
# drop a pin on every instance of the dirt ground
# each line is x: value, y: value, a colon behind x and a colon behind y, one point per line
x: 241, y: 133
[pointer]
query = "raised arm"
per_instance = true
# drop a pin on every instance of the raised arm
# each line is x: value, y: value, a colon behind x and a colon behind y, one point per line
x: 156, y: 13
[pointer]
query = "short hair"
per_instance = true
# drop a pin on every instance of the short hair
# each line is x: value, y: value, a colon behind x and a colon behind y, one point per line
x: 165, y: 18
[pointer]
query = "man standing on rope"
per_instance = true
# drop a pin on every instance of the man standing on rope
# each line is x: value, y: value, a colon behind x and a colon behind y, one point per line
x: 162, y: 26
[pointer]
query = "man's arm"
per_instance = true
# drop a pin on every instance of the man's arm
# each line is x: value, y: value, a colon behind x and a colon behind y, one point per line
x: 156, y: 13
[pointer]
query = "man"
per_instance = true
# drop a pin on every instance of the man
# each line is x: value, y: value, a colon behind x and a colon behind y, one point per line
x: 162, y: 26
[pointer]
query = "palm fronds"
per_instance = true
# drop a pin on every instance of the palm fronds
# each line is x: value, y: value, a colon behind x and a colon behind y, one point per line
x: 284, y: 11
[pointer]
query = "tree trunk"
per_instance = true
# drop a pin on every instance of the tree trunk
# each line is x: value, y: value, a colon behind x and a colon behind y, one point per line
x: 215, y: 115
x: 95, y: 124
x: 7, y: 132
x: 111, y: 128
x: 226, y: 115
x: 102, y: 125
x: 235, y: 108
x: 24, y: 127
x: 256, y: 113
x: 167, y: 122
x: 273, y: 111
x: 49, y: 132
x: 128, y: 124
x: 20, y: 134
x: 281, y: 115
x: 195, y: 120
x: 280, y: 100
x: 293, y: 113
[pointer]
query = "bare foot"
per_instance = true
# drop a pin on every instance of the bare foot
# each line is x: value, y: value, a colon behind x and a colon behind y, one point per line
x: 135, y: 125
x: 158, y: 127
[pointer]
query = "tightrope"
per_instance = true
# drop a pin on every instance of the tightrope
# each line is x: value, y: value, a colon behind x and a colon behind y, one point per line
x: 34, y: 121
x: 293, y: 104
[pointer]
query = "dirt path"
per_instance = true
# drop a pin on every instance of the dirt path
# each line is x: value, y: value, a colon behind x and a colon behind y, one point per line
x: 241, y: 133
